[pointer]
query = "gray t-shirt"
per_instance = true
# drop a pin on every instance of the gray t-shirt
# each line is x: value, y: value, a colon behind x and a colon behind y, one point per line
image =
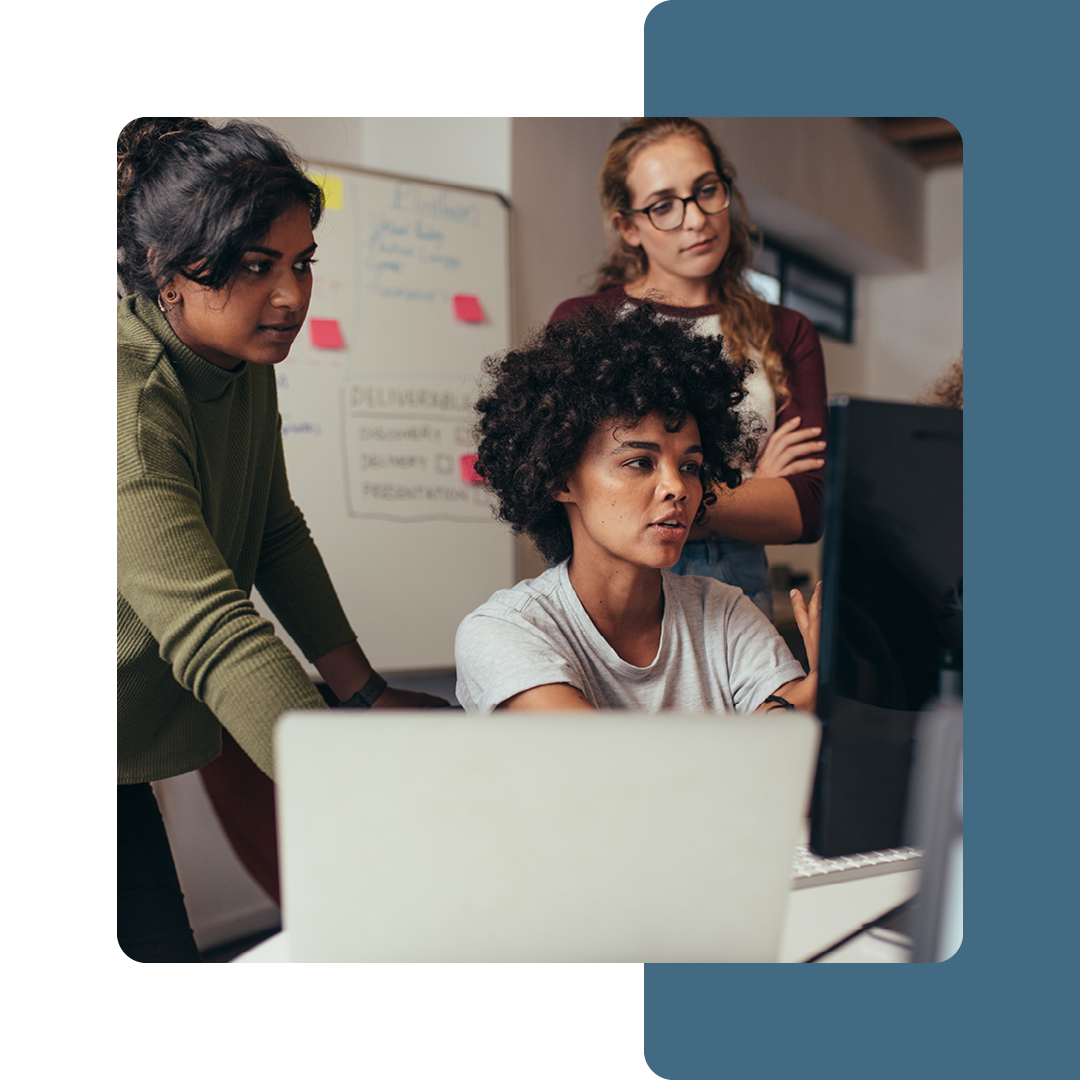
x: 717, y: 650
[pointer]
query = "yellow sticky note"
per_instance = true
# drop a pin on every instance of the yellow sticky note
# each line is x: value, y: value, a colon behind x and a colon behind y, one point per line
x: 331, y: 188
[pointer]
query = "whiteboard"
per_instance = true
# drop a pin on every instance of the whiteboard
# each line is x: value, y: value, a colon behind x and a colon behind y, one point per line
x: 376, y: 400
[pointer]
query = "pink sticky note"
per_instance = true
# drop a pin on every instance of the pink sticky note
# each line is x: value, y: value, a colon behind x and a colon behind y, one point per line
x: 467, y: 464
x: 468, y: 309
x: 326, y: 334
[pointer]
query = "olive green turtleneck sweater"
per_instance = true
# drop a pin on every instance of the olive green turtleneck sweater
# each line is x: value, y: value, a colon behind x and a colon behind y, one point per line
x: 203, y: 514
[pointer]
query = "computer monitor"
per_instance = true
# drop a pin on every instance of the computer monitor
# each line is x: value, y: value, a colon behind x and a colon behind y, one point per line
x: 892, y: 610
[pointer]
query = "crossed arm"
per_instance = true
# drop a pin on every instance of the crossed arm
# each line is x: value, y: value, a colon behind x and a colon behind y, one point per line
x: 764, y: 509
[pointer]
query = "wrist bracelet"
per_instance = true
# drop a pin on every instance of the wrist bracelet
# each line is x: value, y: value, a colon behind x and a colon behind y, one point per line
x: 366, y: 696
x: 781, y: 703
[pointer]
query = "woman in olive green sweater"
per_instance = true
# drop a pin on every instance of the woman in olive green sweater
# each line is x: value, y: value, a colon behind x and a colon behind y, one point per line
x: 214, y: 249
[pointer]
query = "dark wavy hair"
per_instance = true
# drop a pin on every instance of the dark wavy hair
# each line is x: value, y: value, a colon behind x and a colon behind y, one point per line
x: 198, y: 197
x: 542, y: 402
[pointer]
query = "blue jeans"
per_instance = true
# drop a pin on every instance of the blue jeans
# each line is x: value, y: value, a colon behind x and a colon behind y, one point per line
x: 732, y: 561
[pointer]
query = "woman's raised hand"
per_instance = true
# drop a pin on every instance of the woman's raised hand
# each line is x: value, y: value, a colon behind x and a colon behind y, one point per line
x: 808, y: 619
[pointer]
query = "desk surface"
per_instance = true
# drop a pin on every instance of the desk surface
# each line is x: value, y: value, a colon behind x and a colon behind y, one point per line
x: 822, y: 915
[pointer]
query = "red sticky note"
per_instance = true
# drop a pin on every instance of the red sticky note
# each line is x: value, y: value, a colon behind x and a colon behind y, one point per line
x: 468, y: 309
x: 326, y: 334
x: 467, y: 464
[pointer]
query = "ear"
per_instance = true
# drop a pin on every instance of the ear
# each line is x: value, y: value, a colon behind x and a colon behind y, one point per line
x: 561, y: 493
x: 628, y: 229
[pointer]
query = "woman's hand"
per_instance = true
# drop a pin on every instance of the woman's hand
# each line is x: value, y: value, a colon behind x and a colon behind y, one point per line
x: 808, y: 620
x: 802, y: 693
x: 789, y: 451
x: 346, y: 670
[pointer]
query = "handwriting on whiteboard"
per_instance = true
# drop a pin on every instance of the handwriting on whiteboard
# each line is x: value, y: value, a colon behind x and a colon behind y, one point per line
x: 402, y: 447
x: 415, y: 247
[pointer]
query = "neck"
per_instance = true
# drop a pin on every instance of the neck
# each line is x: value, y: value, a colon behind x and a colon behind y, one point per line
x: 679, y: 292
x: 626, y: 606
x: 174, y: 317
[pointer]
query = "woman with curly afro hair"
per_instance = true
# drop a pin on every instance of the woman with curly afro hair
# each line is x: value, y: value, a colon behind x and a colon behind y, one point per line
x: 605, y: 438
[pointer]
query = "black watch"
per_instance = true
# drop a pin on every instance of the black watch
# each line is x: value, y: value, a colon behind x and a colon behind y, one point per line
x: 367, y: 695
x: 781, y: 703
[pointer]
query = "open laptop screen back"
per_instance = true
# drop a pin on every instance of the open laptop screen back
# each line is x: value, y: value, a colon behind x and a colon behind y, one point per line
x: 539, y: 837
x: 892, y: 618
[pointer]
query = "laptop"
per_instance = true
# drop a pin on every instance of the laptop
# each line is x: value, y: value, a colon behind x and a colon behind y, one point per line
x: 443, y: 836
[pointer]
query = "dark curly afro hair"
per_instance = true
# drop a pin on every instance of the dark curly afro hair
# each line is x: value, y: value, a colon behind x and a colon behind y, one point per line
x: 542, y: 402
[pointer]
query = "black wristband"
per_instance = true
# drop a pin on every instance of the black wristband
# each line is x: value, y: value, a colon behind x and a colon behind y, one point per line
x: 365, y: 697
x: 781, y: 703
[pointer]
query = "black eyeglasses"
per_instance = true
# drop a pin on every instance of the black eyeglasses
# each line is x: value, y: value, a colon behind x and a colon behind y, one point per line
x: 668, y: 213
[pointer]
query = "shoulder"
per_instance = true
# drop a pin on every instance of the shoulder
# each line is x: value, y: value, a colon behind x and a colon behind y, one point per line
x: 137, y: 347
x: 721, y: 615
x: 142, y: 359
x: 144, y: 376
x: 533, y: 615
x: 514, y: 634
x: 726, y: 619
x: 529, y: 603
x: 155, y: 428
x: 692, y: 593
x: 792, y: 330
x: 690, y: 585
x: 518, y: 640
x: 570, y: 309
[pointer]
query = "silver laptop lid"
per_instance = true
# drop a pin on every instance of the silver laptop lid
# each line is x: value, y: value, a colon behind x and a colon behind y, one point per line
x: 441, y: 836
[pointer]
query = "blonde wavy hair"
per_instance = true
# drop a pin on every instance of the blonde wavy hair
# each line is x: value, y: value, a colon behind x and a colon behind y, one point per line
x: 745, y: 317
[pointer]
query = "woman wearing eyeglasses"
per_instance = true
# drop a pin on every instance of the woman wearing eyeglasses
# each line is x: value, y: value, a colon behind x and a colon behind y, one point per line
x: 680, y: 239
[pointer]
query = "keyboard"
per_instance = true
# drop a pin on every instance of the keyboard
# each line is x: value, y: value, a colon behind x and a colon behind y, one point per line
x: 809, y: 869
